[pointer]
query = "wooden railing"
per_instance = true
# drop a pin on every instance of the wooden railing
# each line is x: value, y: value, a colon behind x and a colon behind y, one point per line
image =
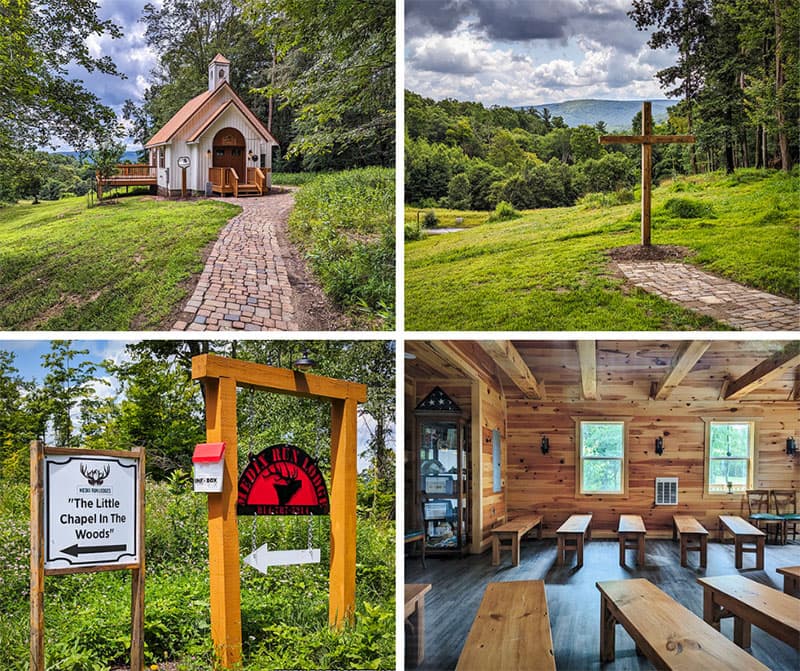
x: 257, y: 177
x: 224, y: 180
x: 136, y: 170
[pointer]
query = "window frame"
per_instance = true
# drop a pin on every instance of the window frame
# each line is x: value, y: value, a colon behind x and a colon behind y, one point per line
x: 579, y: 421
x: 752, y: 461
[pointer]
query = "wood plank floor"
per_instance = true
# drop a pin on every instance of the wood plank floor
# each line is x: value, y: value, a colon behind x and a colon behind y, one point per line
x: 574, y: 601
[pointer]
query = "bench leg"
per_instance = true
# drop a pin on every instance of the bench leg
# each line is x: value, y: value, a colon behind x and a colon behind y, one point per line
x: 622, y: 550
x: 415, y: 635
x: 495, y: 550
x: 703, y: 550
x: 561, y: 550
x: 640, y: 553
x: 684, y: 549
x: 741, y: 632
x: 579, y: 549
x: 759, y: 554
x: 515, y: 549
x: 710, y: 608
x: 738, y: 552
x: 607, y: 632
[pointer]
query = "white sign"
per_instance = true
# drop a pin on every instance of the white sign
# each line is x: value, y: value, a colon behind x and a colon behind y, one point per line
x: 184, y: 162
x: 208, y: 476
x: 262, y: 558
x: 91, y: 511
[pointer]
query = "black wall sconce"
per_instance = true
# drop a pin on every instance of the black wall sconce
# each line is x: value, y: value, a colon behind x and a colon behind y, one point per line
x: 660, y: 445
x: 545, y: 445
x: 791, y: 446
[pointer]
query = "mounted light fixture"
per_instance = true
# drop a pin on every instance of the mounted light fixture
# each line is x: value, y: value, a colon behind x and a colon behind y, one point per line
x: 660, y: 445
x: 305, y: 363
x: 791, y: 446
x: 545, y: 445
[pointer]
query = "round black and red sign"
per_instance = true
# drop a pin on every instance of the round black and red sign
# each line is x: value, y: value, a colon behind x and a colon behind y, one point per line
x: 282, y: 480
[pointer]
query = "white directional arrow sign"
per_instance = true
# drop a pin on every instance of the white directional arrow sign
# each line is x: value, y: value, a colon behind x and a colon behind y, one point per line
x: 262, y: 558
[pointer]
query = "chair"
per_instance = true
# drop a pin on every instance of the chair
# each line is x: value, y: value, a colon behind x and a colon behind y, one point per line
x: 758, y: 512
x: 785, y: 501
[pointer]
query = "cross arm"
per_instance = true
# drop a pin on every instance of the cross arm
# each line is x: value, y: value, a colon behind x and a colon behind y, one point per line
x: 646, y: 139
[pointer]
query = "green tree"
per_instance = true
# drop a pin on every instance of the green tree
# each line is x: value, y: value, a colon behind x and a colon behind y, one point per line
x: 458, y: 192
x: 584, y: 144
x: 342, y: 83
x: 17, y: 421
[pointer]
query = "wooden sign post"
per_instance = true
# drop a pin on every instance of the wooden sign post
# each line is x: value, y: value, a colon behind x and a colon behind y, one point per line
x: 87, y: 514
x: 183, y: 163
x: 221, y: 377
x: 647, y: 140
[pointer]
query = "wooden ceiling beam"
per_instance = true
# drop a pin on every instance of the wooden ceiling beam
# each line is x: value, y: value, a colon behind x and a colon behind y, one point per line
x: 453, y: 355
x: 587, y: 357
x: 764, y: 372
x: 685, y: 358
x: 510, y: 361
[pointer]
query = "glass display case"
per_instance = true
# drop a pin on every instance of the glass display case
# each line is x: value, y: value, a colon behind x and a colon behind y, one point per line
x: 442, y: 476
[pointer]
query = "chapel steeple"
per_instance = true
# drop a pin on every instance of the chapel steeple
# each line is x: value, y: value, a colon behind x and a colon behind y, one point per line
x: 219, y: 70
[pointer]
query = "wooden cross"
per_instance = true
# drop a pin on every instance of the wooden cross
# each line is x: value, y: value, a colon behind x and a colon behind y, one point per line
x: 647, y: 140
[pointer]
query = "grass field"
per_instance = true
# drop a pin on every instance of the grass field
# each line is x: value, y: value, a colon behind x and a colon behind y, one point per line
x: 120, y: 266
x: 549, y: 270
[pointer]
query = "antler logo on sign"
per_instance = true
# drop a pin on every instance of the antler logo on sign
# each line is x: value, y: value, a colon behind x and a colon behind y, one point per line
x: 94, y: 476
x: 282, y: 480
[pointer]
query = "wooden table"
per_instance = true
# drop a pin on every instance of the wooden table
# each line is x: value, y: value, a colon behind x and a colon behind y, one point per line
x: 668, y: 634
x: 743, y: 532
x: 631, y: 534
x: 693, y: 537
x: 571, y: 535
x: 749, y: 602
x: 791, y: 579
x: 415, y: 622
x: 511, y: 630
x: 508, y: 536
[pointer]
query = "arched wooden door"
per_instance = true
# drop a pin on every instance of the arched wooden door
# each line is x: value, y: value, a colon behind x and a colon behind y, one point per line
x: 229, y: 151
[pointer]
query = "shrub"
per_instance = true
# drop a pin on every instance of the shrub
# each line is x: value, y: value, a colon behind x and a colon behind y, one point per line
x: 430, y: 220
x: 413, y: 231
x: 688, y: 208
x: 504, y: 212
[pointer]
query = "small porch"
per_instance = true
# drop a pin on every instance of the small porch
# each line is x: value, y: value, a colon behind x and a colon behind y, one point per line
x: 128, y: 174
x: 227, y: 181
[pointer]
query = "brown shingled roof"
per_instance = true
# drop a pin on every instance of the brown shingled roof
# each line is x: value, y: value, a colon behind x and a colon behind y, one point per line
x: 181, y: 117
x: 219, y: 58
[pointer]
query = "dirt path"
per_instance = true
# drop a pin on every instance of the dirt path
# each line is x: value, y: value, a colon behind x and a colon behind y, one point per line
x: 255, y: 279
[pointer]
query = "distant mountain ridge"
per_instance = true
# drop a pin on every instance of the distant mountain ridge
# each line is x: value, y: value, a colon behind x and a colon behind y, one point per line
x: 616, y: 113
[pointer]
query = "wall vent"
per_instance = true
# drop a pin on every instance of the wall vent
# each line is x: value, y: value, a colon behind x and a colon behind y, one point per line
x: 666, y: 491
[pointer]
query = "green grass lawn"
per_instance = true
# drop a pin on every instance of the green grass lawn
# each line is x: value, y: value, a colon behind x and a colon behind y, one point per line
x: 121, y: 266
x: 549, y: 269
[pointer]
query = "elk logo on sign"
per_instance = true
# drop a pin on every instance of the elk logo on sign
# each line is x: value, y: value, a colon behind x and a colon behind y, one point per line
x: 282, y: 480
x: 95, y: 476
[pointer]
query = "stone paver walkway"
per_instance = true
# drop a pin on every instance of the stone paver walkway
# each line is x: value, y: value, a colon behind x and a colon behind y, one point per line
x: 726, y: 301
x: 244, y: 285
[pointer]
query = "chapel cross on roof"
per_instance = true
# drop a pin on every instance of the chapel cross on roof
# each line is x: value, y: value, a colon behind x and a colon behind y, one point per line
x: 647, y: 140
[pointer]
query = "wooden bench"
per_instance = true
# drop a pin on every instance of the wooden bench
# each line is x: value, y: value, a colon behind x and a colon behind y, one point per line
x: 749, y: 602
x: 508, y: 536
x: 511, y: 630
x: 693, y: 535
x: 415, y: 536
x: 791, y: 579
x: 631, y: 534
x: 668, y: 634
x: 571, y: 535
x: 743, y: 532
x: 415, y: 622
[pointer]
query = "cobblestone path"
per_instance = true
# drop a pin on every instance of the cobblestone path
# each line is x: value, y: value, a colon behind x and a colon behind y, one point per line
x: 726, y: 301
x: 245, y: 285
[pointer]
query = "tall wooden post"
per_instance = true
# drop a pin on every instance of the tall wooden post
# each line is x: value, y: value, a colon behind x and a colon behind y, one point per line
x: 344, y: 479
x: 647, y: 157
x: 137, y: 580
x: 37, y: 556
x: 223, y: 531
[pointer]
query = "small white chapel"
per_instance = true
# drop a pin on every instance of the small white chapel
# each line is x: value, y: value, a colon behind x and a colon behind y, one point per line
x: 213, y: 144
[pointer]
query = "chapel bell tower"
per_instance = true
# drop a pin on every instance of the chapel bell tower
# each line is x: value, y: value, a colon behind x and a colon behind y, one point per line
x: 219, y: 70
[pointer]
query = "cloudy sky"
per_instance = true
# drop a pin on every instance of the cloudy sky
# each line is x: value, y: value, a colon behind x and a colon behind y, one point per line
x: 518, y: 52
x: 129, y: 53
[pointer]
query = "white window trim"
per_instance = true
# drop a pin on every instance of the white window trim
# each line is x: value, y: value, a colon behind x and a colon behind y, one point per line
x: 625, y: 421
x: 752, y: 461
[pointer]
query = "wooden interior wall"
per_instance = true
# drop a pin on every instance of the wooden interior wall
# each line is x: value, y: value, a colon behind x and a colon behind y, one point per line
x: 493, y: 504
x: 546, y: 483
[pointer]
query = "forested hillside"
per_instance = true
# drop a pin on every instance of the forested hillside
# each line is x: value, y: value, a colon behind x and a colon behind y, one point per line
x: 735, y: 85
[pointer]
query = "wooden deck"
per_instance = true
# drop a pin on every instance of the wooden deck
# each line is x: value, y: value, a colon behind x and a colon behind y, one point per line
x: 227, y: 182
x: 128, y: 174
x: 574, y: 602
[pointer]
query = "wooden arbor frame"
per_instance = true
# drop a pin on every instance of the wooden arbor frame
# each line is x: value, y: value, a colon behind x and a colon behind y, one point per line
x: 221, y: 376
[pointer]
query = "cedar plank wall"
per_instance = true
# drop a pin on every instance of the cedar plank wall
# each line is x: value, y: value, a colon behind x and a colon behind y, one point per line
x: 546, y: 483
x: 493, y: 509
